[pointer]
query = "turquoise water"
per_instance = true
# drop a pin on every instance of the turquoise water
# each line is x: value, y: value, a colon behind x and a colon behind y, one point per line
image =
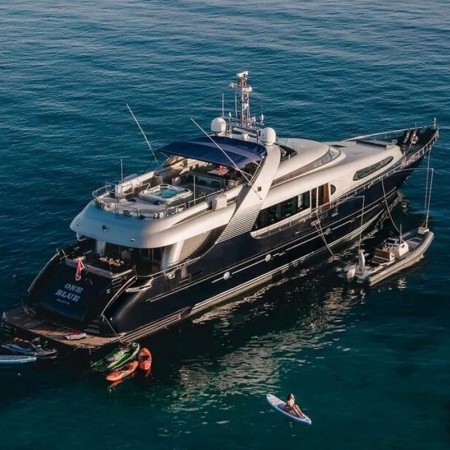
x: 370, y: 368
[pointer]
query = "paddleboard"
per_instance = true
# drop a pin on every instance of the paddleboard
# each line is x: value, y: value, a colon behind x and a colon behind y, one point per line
x: 279, y: 406
x: 16, y: 359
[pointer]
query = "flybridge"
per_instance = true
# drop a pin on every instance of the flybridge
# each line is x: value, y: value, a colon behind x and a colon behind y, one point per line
x: 235, y: 152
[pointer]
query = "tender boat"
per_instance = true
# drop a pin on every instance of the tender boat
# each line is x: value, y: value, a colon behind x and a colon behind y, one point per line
x: 225, y: 212
x: 391, y: 256
x: 117, y: 358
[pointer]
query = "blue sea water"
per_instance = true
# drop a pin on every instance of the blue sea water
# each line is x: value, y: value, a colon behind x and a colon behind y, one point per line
x: 370, y: 367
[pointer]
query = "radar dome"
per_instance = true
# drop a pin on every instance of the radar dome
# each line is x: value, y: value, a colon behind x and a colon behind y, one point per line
x: 218, y: 126
x: 268, y: 136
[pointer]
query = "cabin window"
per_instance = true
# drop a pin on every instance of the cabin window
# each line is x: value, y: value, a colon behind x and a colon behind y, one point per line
x: 331, y: 154
x: 314, y: 198
x: 363, y: 173
x: 150, y: 254
x: 272, y: 215
x: 149, y: 260
x: 288, y: 208
x: 282, y: 210
x: 310, y: 199
x: 304, y: 201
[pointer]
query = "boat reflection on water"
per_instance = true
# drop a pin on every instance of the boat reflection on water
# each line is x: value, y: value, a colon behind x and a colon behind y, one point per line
x: 252, y: 346
x: 267, y: 333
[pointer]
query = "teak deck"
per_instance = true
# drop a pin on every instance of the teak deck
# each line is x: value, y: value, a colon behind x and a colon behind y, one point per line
x: 19, y: 319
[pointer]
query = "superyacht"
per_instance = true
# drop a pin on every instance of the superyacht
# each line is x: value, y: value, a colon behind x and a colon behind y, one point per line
x: 227, y: 211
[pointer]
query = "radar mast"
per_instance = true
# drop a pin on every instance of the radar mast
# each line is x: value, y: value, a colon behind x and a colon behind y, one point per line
x: 243, y: 90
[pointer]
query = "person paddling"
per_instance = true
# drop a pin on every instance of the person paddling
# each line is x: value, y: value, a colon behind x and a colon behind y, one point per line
x: 292, y: 408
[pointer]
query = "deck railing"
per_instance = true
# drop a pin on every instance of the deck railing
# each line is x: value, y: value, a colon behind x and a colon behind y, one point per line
x: 115, y: 206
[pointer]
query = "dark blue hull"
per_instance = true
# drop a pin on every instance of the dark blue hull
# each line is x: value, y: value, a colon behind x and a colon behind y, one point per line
x: 242, y: 263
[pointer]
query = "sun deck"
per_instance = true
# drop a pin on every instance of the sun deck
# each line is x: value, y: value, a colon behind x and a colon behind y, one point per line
x: 177, y: 192
x: 194, y: 172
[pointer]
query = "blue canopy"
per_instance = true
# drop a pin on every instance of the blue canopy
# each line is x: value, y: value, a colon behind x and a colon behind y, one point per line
x: 204, y: 149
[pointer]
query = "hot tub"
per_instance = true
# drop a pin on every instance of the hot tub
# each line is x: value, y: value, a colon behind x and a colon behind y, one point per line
x: 165, y: 194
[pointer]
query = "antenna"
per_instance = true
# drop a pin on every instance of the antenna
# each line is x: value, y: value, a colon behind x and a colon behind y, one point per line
x: 142, y: 131
x: 243, y: 89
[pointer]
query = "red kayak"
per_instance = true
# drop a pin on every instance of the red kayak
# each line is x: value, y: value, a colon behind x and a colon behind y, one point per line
x: 145, y: 359
x: 122, y: 372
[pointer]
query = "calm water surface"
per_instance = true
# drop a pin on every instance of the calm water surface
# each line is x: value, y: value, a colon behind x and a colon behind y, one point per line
x: 370, y: 367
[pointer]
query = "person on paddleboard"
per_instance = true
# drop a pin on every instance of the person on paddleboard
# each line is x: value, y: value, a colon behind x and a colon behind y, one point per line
x: 292, y: 408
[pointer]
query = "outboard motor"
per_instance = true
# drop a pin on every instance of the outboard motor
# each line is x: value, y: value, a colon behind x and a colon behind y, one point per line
x: 361, y: 262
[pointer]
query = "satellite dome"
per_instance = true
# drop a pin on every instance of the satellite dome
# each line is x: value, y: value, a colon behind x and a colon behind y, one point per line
x: 218, y: 126
x: 268, y: 136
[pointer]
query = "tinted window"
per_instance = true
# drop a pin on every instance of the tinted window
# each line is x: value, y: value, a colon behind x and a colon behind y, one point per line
x: 363, y: 173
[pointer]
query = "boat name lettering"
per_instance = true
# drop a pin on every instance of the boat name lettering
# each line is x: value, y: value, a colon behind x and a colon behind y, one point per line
x: 73, y: 288
x: 70, y: 293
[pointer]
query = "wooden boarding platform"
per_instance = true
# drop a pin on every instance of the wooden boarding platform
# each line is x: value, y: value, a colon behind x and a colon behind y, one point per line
x: 17, y: 319
x: 19, y: 322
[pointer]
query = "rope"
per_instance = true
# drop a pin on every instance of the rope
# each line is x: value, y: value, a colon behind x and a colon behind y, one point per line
x: 387, y: 207
x: 322, y: 235
x: 362, y: 221
x: 429, y: 183
x: 113, y: 330
x: 429, y: 199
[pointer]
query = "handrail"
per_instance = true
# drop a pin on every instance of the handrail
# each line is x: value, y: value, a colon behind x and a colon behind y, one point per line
x: 165, y: 272
x: 106, y: 189
x: 387, y: 132
x: 146, y: 212
x: 38, y: 276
